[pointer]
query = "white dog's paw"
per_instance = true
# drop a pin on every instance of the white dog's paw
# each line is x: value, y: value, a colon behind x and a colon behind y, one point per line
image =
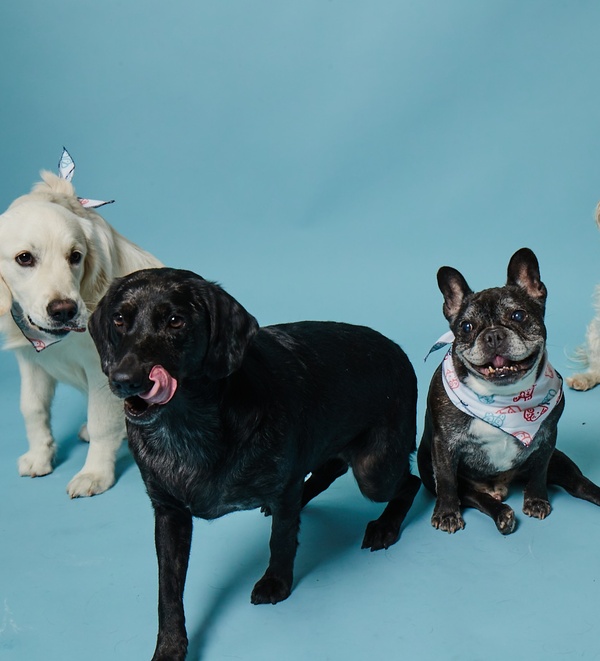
x: 84, y: 434
x: 90, y: 484
x: 36, y: 463
x: 583, y: 381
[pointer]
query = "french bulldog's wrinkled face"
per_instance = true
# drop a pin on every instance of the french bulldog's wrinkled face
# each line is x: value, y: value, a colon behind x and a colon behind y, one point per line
x: 500, y: 335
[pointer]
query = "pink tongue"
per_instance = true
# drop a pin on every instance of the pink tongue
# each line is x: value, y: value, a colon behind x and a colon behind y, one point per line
x: 499, y: 361
x: 164, y: 386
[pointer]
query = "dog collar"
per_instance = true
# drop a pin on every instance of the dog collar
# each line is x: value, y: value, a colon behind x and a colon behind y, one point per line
x: 518, y: 415
x: 39, y: 338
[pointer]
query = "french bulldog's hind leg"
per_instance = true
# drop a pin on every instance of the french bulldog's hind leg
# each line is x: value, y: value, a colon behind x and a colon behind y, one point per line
x: 563, y: 472
x: 502, y: 515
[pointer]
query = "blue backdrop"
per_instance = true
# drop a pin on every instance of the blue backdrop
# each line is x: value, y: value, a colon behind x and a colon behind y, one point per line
x: 321, y: 160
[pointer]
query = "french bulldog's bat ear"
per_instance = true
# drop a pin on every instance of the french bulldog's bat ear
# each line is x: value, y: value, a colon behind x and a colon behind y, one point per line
x: 454, y: 288
x: 524, y: 272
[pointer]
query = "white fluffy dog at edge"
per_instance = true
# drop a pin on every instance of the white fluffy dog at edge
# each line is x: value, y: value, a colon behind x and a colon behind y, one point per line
x: 589, y: 354
x: 57, y: 259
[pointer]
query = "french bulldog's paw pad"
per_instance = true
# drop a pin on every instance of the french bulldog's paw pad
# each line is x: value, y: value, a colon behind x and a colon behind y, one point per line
x: 448, y: 521
x: 537, y: 508
x: 583, y: 381
x: 89, y: 484
x: 270, y: 590
x: 380, y: 535
x: 506, y: 522
x: 35, y: 464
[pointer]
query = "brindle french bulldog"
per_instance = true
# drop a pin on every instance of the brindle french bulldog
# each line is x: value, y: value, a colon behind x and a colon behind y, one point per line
x: 494, y: 404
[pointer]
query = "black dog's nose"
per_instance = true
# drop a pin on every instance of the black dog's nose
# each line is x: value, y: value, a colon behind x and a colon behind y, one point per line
x: 125, y: 383
x: 62, y: 310
x: 494, y: 337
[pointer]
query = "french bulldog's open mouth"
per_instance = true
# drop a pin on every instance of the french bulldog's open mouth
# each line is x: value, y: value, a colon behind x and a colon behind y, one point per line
x: 502, y: 368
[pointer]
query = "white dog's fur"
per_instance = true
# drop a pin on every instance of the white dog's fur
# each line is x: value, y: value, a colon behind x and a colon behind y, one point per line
x: 50, y: 224
x: 589, y: 354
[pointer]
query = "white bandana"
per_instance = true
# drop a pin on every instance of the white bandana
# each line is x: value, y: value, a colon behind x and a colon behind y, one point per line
x: 519, y: 415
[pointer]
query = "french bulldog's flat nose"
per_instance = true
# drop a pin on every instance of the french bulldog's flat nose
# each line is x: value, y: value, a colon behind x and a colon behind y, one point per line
x: 494, y: 337
x: 61, y: 310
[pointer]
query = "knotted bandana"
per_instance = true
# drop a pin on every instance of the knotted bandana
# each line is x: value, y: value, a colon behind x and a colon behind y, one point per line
x: 519, y: 415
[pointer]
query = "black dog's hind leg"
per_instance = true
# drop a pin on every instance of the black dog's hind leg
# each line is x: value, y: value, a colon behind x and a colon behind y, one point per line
x: 385, y: 531
x: 563, y: 472
x: 173, y: 537
x: 276, y: 584
x: 322, y: 478
x: 502, y: 514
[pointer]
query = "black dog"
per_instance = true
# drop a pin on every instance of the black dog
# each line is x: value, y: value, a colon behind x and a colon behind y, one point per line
x: 223, y: 415
x: 494, y: 404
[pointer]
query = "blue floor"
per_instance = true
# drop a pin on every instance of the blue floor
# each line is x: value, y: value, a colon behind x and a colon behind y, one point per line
x: 321, y: 160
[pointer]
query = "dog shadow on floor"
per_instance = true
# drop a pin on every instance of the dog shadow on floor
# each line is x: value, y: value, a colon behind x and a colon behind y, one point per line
x: 330, y: 530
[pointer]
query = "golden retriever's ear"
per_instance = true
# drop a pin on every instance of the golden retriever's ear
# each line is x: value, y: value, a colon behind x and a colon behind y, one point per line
x: 5, y: 297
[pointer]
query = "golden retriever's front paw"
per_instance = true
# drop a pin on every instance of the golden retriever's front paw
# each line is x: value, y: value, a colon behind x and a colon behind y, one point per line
x: 36, y: 463
x: 583, y: 381
x: 89, y: 484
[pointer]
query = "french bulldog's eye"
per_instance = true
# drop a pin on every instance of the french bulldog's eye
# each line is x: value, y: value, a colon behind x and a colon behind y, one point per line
x: 518, y: 316
x: 25, y: 259
x: 175, y: 321
x: 118, y: 320
x: 466, y: 327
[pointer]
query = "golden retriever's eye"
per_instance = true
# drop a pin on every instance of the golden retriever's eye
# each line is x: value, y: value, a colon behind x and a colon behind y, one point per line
x: 175, y: 321
x: 118, y: 320
x: 25, y: 259
x: 75, y: 258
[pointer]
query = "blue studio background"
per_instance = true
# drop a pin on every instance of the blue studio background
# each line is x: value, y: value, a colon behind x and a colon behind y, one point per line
x: 321, y: 160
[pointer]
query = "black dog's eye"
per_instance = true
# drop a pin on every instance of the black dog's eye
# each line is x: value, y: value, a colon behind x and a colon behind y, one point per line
x: 118, y: 320
x: 75, y: 258
x: 175, y: 321
x: 518, y: 316
x: 25, y: 259
x: 466, y: 327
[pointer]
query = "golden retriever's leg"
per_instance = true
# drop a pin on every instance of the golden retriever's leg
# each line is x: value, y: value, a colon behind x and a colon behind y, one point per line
x: 37, y: 392
x: 106, y: 430
x: 591, y: 353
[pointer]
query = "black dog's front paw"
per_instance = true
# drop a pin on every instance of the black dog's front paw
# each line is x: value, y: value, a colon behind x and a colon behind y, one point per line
x: 536, y: 507
x: 270, y: 590
x: 380, y: 535
x: 449, y: 521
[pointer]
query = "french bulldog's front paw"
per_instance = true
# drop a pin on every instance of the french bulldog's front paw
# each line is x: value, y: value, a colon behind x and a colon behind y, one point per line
x: 270, y: 590
x: 90, y: 484
x: 448, y: 521
x: 536, y: 507
x: 36, y: 463
x: 583, y: 381
x: 505, y: 521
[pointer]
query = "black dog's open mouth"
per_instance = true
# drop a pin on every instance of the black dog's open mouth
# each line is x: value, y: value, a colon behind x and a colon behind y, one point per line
x: 136, y: 407
x: 501, y: 368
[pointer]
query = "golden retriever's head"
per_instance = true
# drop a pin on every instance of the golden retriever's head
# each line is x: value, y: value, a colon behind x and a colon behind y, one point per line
x: 56, y: 258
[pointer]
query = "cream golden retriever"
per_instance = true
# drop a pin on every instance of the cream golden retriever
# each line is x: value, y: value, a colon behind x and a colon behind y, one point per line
x: 57, y: 259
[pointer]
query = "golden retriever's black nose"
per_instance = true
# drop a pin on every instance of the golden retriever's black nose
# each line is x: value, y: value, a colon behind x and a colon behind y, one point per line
x: 62, y: 311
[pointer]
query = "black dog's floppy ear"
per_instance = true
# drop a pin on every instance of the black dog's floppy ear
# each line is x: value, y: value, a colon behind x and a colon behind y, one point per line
x: 232, y: 328
x: 99, y: 326
x: 454, y: 288
x: 524, y: 272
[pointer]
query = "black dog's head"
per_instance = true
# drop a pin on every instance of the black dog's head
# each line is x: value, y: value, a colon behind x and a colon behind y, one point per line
x: 156, y: 327
x: 500, y: 334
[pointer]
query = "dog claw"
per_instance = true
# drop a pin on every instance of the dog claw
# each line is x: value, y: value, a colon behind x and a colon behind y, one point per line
x: 448, y: 522
x: 537, y: 508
